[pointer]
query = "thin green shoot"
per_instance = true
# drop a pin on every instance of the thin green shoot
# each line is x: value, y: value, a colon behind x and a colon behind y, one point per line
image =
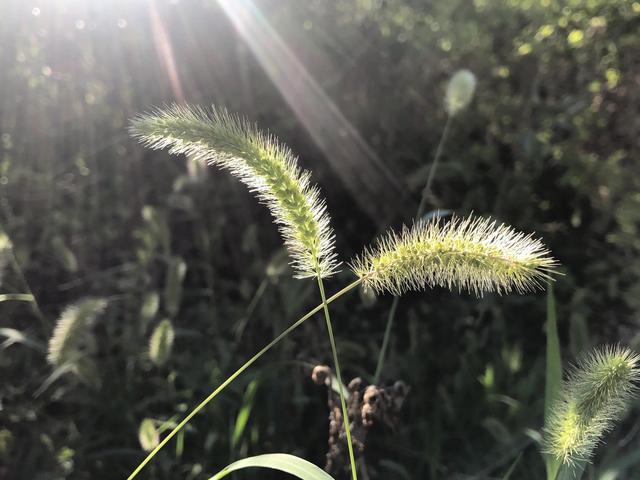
x: 237, y: 373
x: 343, y: 404
x: 426, y: 193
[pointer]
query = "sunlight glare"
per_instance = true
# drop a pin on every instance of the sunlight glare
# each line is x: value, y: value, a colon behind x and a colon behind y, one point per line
x: 360, y: 168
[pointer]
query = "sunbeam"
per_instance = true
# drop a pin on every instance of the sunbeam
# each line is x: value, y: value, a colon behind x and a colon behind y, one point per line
x: 165, y: 51
x: 363, y: 172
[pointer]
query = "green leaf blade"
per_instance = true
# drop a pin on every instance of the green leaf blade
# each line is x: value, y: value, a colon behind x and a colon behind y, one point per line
x: 553, y: 378
x: 244, y: 413
x: 296, y: 466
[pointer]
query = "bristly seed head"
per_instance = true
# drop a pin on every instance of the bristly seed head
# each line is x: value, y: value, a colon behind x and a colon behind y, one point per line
x: 594, y: 396
x: 460, y: 91
x: 472, y: 254
x: 71, y: 333
x: 266, y: 166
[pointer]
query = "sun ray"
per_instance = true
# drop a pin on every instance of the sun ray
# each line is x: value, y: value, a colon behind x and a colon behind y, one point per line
x: 363, y: 172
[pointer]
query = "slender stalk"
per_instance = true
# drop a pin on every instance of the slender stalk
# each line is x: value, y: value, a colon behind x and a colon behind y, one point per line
x: 426, y: 192
x: 15, y: 265
x: 385, y: 340
x: 250, y: 362
x: 343, y: 403
x: 252, y: 306
x: 32, y: 300
x: 434, y: 166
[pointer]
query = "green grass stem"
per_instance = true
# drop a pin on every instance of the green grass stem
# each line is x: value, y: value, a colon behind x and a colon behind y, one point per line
x: 237, y: 373
x: 343, y: 403
x: 426, y: 191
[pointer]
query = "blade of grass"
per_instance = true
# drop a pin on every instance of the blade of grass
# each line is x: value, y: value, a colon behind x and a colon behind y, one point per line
x: 16, y: 336
x: 553, y: 377
x: 513, y: 466
x: 572, y: 472
x: 244, y: 413
x: 385, y: 340
x: 17, y: 297
x: 616, y: 469
x: 283, y: 462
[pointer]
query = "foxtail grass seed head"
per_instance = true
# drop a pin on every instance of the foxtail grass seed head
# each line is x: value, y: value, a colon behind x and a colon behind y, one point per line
x: 473, y: 254
x: 594, y: 396
x: 148, y: 435
x: 161, y: 343
x: 604, y: 377
x: 460, y: 91
x: 71, y: 333
x: 267, y: 167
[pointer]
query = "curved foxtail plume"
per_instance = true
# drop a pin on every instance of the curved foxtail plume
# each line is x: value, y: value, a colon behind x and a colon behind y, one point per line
x: 472, y: 254
x: 266, y: 166
x: 595, y: 395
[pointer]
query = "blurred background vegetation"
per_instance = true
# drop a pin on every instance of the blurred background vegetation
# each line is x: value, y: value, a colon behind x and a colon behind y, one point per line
x: 549, y: 144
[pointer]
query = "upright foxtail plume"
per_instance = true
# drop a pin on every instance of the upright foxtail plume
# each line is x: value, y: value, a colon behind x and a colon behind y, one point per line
x: 595, y: 395
x: 472, y: 254
x: 460, y: 91
x: 71, y: 334
x: 267, y: 167
x: 161, y: 342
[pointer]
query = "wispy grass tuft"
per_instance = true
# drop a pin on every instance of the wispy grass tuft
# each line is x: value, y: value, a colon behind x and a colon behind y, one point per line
x: 473, y: 254
x: 70, y: 336
x: 266, y: 166
x: 594, y: 397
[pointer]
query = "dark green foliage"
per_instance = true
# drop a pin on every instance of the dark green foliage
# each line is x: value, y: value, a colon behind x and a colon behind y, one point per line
x: 549, y: 144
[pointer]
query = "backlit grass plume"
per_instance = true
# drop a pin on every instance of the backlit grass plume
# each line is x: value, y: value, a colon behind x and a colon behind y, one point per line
x: 71, y: 337
x: 460, y: 91
x: 595, y: 395
x: 472, y: 254
x: 161, y: 343
x: 266, y: 166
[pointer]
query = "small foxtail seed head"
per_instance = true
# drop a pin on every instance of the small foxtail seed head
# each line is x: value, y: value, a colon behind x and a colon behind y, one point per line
x: 603, y: 377
x: 266, y: 166
x: 594, y: 396
x: 460, y: 91
x: 161, y: 343
x: 71, y: 332
x: 472, y: 254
